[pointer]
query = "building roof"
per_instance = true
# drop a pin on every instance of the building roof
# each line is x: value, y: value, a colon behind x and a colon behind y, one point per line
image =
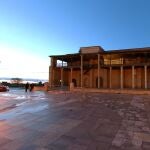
x: 144, y: 49
x: 97, y: 49
x: 67, y: 56
x: 91, y: 49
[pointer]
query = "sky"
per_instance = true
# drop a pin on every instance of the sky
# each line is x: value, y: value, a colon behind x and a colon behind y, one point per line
x: 32, y: 30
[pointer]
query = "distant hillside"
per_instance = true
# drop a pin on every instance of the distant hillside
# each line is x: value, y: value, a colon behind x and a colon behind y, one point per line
x: 23, y: 79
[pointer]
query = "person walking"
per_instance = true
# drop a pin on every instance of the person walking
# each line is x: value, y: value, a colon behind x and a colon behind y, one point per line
x: 26, y: 86
x: 31, y: 87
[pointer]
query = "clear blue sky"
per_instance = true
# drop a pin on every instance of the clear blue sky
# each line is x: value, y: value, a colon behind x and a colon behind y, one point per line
x: 31, y: 30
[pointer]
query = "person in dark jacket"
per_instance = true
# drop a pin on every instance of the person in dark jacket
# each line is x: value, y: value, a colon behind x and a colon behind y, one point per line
x: 26, y: 86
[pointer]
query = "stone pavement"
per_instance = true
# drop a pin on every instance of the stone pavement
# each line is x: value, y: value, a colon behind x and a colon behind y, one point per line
x: 74, y: 121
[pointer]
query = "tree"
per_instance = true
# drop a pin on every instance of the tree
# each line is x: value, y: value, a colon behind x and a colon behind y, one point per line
x: 16, y: 80
x: 40, y: 83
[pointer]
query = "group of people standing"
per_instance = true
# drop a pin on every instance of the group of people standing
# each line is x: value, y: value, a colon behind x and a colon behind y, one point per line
x: 29, y: 87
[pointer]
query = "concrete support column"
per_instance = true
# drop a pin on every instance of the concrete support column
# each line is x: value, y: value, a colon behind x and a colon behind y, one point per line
x: 133, y: 86
x: 62, y: 70
x: 53, y: 76
x: 110, y: 71
x: 50, y: 76
x: 145, y: 73
x: 81, y: 71
x: 51, y: 72
x: 121, y: 77
x: 98, y: 71
x: 71, y: 75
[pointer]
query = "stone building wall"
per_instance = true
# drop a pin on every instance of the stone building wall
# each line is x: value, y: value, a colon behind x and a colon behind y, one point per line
x: 127, y: 77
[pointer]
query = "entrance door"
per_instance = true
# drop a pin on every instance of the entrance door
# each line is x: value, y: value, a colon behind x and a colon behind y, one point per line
x: 74, y: 82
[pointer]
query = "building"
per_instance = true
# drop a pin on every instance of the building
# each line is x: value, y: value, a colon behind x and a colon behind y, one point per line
x: 93, y: 67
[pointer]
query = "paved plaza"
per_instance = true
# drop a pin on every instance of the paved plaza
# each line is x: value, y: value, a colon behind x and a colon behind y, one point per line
x: 74, y: 121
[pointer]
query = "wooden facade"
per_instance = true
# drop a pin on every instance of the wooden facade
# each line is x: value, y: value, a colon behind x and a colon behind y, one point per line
x: 93, y: 67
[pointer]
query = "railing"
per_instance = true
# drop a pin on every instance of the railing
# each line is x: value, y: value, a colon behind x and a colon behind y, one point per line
x: 85, y: 65
x: 106, y: 63
x: 112, y: 62
x: 125, y: 62
x: 61, y: 65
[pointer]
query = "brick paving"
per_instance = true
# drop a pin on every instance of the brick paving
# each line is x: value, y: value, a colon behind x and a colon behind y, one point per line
x: 74, y: 121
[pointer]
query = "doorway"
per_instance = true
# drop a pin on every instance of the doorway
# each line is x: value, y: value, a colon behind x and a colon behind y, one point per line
x: 74, y: 82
